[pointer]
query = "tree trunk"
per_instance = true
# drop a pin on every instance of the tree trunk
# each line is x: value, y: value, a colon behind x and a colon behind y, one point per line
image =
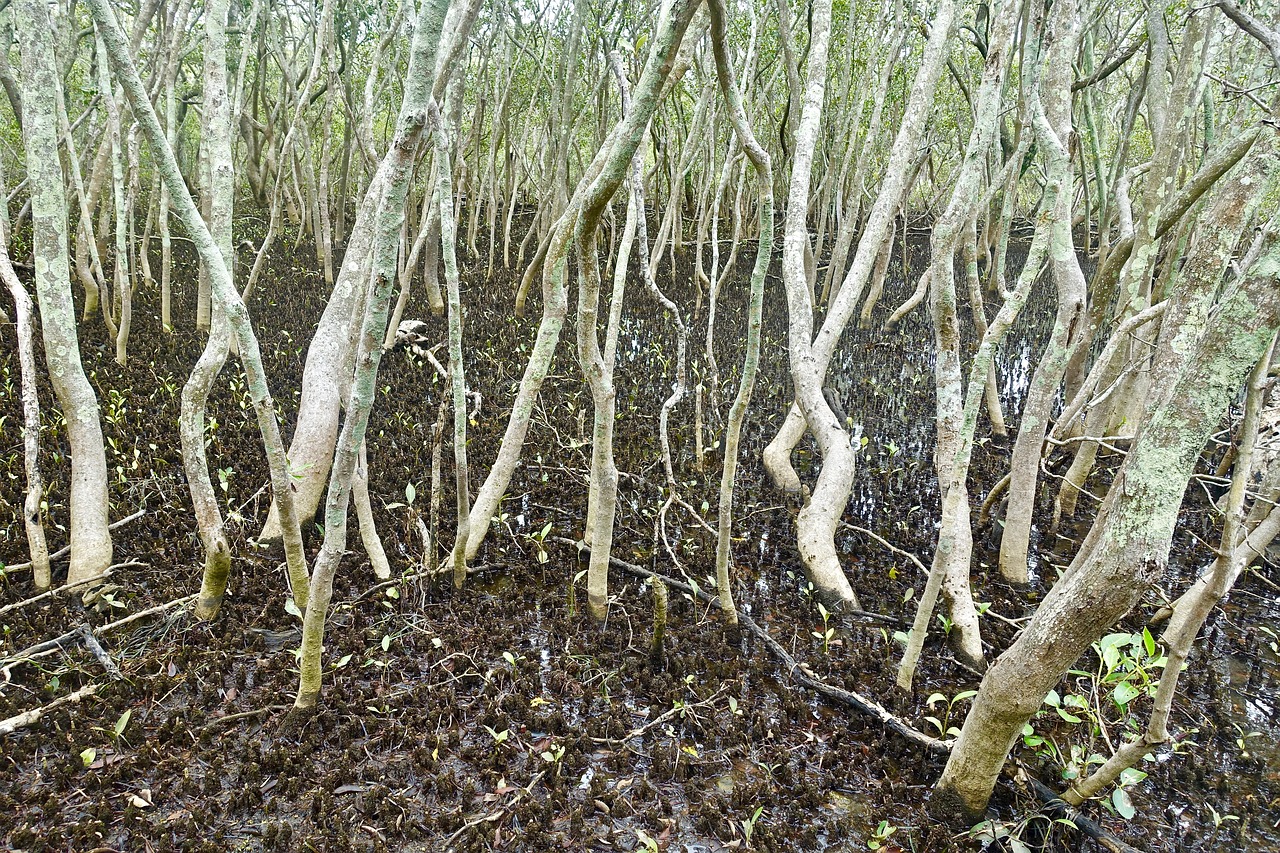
x: 1129, y: 542
x: 91, y: 547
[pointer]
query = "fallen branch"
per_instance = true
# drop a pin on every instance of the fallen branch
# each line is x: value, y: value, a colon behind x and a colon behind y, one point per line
x: 640, y: 731
x: 46, y: 647
x: 797, y: 671
x: 17, y: 605
x: 65, y: 551
x: 95, y: 648
x: 28, y: 718
x: 886, y: 543
x: 1054, y: 807
x: 257, y: 712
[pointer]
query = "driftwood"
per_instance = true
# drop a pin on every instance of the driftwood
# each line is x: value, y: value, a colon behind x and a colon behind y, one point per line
x: 28, y: 718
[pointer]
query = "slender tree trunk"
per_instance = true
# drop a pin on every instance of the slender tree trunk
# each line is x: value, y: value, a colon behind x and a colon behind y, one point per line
x: 32, y: 508
x: 598, y: 185
x: 457, y: 376
x: 227, y: 299
x: 737, y: 412
x: 394, y: 175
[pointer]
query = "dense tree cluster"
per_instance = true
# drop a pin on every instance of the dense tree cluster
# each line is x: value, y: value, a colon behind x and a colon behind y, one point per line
x: 1129, y: 149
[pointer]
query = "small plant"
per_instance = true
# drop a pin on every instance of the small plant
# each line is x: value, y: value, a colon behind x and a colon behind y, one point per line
x: 880, y: 835
x: 1219, y: 820
x: 749, y: 825
x: 944, y: 726
x: 650, y: 845
x: 121, y: 724
x: 827, y: 631
x: 1243, y: 738
x: 554, y: 755
x: 539, y: 540
x: 499, y: 737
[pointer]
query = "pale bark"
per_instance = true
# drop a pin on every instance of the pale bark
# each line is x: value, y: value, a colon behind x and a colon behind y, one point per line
x: 762, y: 164
x: 822, y: 511
x: 598, y: 186
x: 903, y: 153
x: 394, y: 173
x: 1053, y: 134
x: 32, y: 508
x: 91, y: 547
x: 956, y: 407
x: 224, y: 293
x: 457, y: 376
x: 1129, y: 542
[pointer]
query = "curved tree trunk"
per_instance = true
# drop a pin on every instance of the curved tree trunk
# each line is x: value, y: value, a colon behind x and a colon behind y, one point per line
x: 1128, y: 547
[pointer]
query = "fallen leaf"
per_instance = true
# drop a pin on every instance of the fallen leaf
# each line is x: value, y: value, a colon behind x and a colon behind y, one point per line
x: 350, y: 789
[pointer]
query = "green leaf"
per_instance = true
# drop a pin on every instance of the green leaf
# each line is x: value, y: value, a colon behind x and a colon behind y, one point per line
x: 291, y: 607
x: 1053, y: 700
x: 545, y: 530
x: 88, y: 755
x: 1124, y: 805
x: 1070, y: 718
x: 1149, y: 642
x: 342, y: 661
x: 410, y: 492
x: 123, y: 722
x: 386, y: 642
x: 1131, y: 776
x: 392, y: 592
x: 963, y: 694
x: 1125, y: 693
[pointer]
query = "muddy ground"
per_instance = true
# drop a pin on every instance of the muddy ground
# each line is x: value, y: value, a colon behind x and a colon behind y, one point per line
x: 501, y: 718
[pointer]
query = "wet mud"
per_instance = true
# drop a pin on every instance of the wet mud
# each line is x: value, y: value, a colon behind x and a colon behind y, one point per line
x: 501, y: 717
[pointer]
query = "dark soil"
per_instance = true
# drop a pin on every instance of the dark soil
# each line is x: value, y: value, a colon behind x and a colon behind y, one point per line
x: 498, y: 718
